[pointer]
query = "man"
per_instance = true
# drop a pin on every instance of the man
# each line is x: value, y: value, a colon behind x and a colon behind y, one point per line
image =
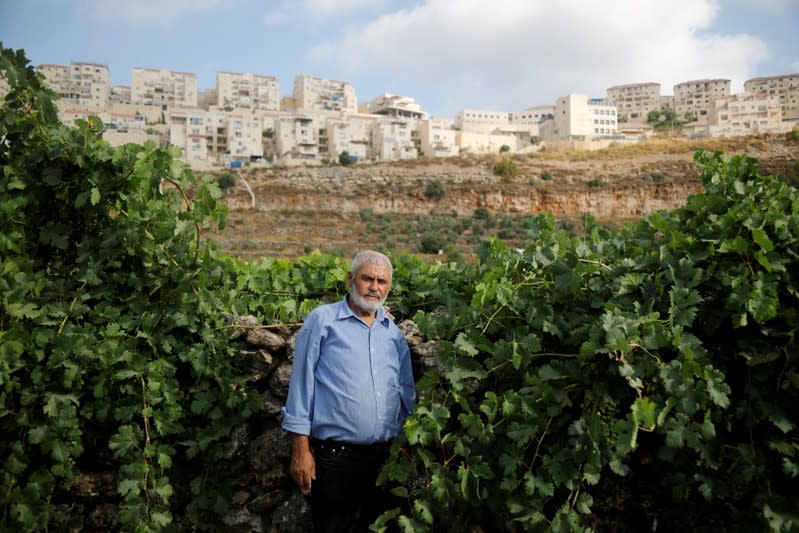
x: 351, y: 388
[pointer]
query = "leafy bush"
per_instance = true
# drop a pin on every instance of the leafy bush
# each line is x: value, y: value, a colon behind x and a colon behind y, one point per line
x: 432, y: 243
x: 504, y: 148
x: 226, y: 181
x: 635, y: 377
x: 435, y: 190
x: 113, y: 351
x: 546, y: 175
x: 506, y: 168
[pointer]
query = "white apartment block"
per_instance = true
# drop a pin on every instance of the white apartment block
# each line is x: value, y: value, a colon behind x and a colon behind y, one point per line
x: 530, y: 118
x: 395, y: 106
x: 577, y: 116
x: 311, y: 93
x: 79, y: 85
x: 296, y: 137
x: 635, y: 100
x: 393, y: 139
x: 437, y: 138
x: 163, y: 88
x: 784, y: 87
x: 350, y: 134
x: 256, y: 91
x: 244, y: 136
x: 211, y: 137
x: 745, y: 114
x: 481, y: 121
x: 696, y: 97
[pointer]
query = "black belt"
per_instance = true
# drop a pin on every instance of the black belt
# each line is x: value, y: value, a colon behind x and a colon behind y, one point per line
x: 333, y: 445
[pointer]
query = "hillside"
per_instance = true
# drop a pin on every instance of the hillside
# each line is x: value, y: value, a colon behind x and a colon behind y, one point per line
x: 394, y: 206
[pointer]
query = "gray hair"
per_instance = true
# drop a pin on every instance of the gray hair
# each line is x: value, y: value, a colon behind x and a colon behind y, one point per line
x: 373, y: 258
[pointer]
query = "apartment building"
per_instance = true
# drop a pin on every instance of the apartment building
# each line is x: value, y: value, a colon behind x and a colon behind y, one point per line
x: 79, y: 85
x: 697, y: 97
x: 634, y: 100
x: 480, y: 120
x: 532, y: 116
x: 745, y: 114
x: 785, y: 87
x: 349, y: 134
x: 436, y: 138
x: 577, y: 116
x: 163, y: 88
x: 256, y: 91
x: 244, y: 135
x: 391, y: 105
x: 313, y: 94
x: 296, y: 137
x: 393, y: 139
x: 213, y: 137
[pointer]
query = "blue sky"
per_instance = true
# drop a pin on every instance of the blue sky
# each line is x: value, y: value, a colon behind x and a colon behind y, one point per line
x: 448, y: 55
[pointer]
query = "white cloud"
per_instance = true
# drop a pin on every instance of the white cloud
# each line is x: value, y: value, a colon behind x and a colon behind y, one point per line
x: 524, y: 53
x: 143, y: 12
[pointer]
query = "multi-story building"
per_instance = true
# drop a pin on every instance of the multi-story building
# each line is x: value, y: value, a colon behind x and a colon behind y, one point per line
x: 244, y: 136
x: 311, y: 94
x: 79, y: 85
x: 784, y: 87
x: 296, y: 137
x: 163, y: 88
x: 576, y: 116
x: 697, y: 97
x: 481, y: 121
x: 437, y: 138
x: 634, y: 100
x: 745, y: 114
x: 532, y: 115
x: 392, y: 139
x: 256, y: 91
x: 349, y: 134
x: 391, y: 105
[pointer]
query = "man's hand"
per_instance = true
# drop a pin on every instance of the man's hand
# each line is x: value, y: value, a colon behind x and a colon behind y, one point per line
x: 303, y: 466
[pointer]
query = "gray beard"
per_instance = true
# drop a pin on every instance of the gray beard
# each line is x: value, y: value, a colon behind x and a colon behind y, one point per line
x: 363, y: 303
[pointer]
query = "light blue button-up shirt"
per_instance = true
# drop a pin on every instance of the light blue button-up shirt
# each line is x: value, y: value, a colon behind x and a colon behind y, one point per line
x: 349, y: 382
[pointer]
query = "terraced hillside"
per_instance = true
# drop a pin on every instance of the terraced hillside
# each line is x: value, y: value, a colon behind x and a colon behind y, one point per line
x: 444, y: 208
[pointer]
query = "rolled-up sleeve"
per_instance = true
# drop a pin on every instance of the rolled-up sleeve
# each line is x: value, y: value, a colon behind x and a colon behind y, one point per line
x: 407, y: 383
x: 298, y: 411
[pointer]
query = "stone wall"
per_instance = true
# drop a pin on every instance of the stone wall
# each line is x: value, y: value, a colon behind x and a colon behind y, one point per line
x: 266, y: 498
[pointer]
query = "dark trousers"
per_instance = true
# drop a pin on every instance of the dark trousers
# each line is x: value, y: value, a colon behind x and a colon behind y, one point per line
x: 344, y: 497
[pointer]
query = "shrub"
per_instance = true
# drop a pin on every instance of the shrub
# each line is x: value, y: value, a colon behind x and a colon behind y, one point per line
x: 226, y: 181
x: 546, y: 175
x: 481, y: 213
x: 432, y: 243
x: 435, y: 190
x: 506, y: 169
x: 504, y: 148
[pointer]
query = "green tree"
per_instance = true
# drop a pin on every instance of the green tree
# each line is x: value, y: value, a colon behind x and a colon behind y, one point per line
x: 344, y: 158
x: 504, y: 148
x: 653, y: 117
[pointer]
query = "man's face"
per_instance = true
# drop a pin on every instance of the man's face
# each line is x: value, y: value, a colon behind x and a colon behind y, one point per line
x: 369, y: 287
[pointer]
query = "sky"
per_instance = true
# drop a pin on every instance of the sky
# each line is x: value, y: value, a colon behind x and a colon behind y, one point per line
x: 448, y: 55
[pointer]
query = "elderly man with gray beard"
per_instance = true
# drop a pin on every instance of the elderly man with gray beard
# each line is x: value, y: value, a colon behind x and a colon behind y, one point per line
x: 351, y: 388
